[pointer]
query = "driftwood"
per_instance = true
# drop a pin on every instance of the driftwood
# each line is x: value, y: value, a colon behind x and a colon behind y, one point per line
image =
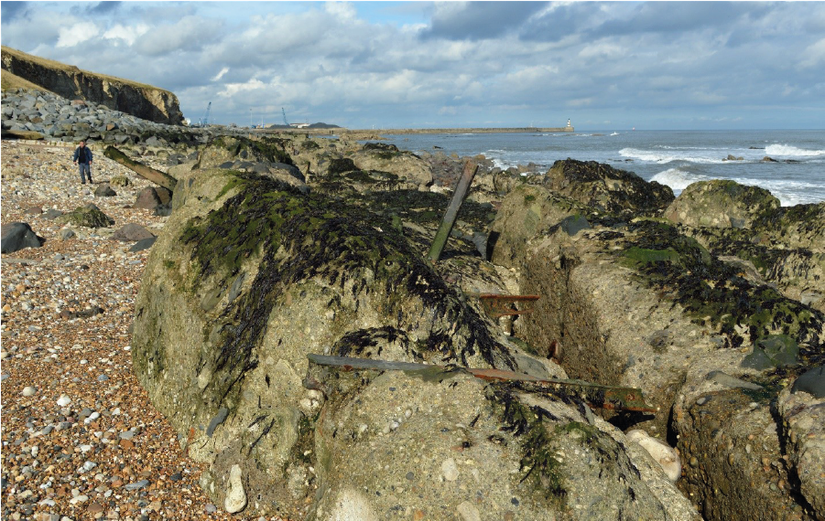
x: 156, y: 176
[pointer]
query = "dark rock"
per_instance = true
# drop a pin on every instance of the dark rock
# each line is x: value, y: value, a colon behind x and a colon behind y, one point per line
x: 773, y: 351
x: 162, y: 210
x: 52, y: 213
x: 148, y: 198
x: 132, y: 232
x: 104, y: 190
x: 164, y: 194
x: 143, y: 244
x: 812, y: 382
x: 574, y: 224
x: 342, y: 165
x: 86, y: 313
x: 17, y: 235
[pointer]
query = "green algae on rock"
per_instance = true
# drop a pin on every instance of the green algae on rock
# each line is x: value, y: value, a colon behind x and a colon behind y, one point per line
x: 89, y: 216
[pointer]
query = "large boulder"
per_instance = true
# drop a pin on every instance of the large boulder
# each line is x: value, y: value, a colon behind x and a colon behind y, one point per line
x: 388, y: 158
x: 785, y: 245
x: 527, y: 212
x: 250, y: 276
x: 605, y: 188
x: 642, y: 304
x: 152, y: 197
x: 227, y: 149
x: 17, y: 236
x: 720, y: 204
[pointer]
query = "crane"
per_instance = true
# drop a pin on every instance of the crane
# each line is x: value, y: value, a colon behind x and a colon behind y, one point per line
x: 284, y: 113
x: 205, y: 120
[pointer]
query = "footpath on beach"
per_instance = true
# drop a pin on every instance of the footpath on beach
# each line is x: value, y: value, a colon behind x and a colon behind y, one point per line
x: 80, y: 438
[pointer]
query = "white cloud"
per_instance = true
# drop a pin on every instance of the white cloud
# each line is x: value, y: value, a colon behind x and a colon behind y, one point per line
x: 232, y: 89
x: 220, y: 75
x: 344, y: 11
x: 126, y: 33
x: 813, y: 55
x: 76, y: 33
x: 331, y: 60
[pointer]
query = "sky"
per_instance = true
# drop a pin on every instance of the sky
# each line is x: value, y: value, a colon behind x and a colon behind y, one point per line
x: 603, y: 65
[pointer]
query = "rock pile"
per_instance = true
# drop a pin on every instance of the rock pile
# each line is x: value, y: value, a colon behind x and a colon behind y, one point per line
x: 42, y: 115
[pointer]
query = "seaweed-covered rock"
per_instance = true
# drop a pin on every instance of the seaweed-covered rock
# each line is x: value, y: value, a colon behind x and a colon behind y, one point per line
x: 387, y: 158
x: 227, y: 149
x: 605, y: 188
x: 89, y: 216
x: 250, y: 276
x: 120, y: 180
x: 642, y: 304
x: 720, y: 204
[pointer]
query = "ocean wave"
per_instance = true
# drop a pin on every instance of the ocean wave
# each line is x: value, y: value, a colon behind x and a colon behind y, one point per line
x: 789, y: 150
x: 678, y: 179
x: 663, y: 157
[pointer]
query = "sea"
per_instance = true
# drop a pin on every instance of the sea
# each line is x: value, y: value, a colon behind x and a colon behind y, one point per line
x: 673, y: 158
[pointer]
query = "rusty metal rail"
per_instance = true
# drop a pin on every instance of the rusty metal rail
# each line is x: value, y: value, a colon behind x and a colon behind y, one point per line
x: 601, y: 396
x: 503, y: 305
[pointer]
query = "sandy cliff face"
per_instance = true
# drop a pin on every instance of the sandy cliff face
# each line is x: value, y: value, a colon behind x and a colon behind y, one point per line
x: 144, y: 101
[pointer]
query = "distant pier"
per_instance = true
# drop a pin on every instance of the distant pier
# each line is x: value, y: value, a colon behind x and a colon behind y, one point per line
x: 501, y: 130
x: 395, y: 131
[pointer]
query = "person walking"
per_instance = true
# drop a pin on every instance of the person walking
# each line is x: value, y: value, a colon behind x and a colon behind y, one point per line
x: 83, y: 159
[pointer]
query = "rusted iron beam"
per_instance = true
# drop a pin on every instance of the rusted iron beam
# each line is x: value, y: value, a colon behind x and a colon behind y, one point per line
x: 601, y: 396
x: 451, y: 214
x: 503, y: 305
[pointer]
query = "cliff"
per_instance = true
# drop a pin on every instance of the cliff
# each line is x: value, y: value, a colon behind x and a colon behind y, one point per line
x: 144, y: 101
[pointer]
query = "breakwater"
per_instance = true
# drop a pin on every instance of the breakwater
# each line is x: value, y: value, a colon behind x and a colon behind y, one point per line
x: 500, y: 130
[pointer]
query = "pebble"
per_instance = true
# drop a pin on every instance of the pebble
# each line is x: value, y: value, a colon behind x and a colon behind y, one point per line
x: 137, y: 485
x: 29, y: 391
x: 449, y: 469
x: 64, y: 400
x: 236, y: 496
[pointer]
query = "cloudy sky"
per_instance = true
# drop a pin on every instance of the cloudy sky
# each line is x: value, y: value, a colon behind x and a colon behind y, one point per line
x: 605, y: 65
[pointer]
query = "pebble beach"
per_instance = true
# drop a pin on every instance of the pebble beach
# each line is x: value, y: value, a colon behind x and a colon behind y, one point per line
x: 80, y: 439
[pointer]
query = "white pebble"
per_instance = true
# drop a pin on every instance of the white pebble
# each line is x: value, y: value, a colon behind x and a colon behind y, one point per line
x: 29, y: 391
x: 449, y: 469
x: 64, y: 400
x: 236, y: 496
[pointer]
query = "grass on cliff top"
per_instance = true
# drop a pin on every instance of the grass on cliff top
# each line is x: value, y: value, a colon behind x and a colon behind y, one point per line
x: 51, y: 64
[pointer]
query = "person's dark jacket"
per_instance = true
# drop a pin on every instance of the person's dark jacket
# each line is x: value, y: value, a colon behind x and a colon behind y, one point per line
x: 87, y: 156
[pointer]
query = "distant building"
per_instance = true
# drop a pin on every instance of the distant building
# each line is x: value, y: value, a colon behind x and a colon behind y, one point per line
x: 299, y: 125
